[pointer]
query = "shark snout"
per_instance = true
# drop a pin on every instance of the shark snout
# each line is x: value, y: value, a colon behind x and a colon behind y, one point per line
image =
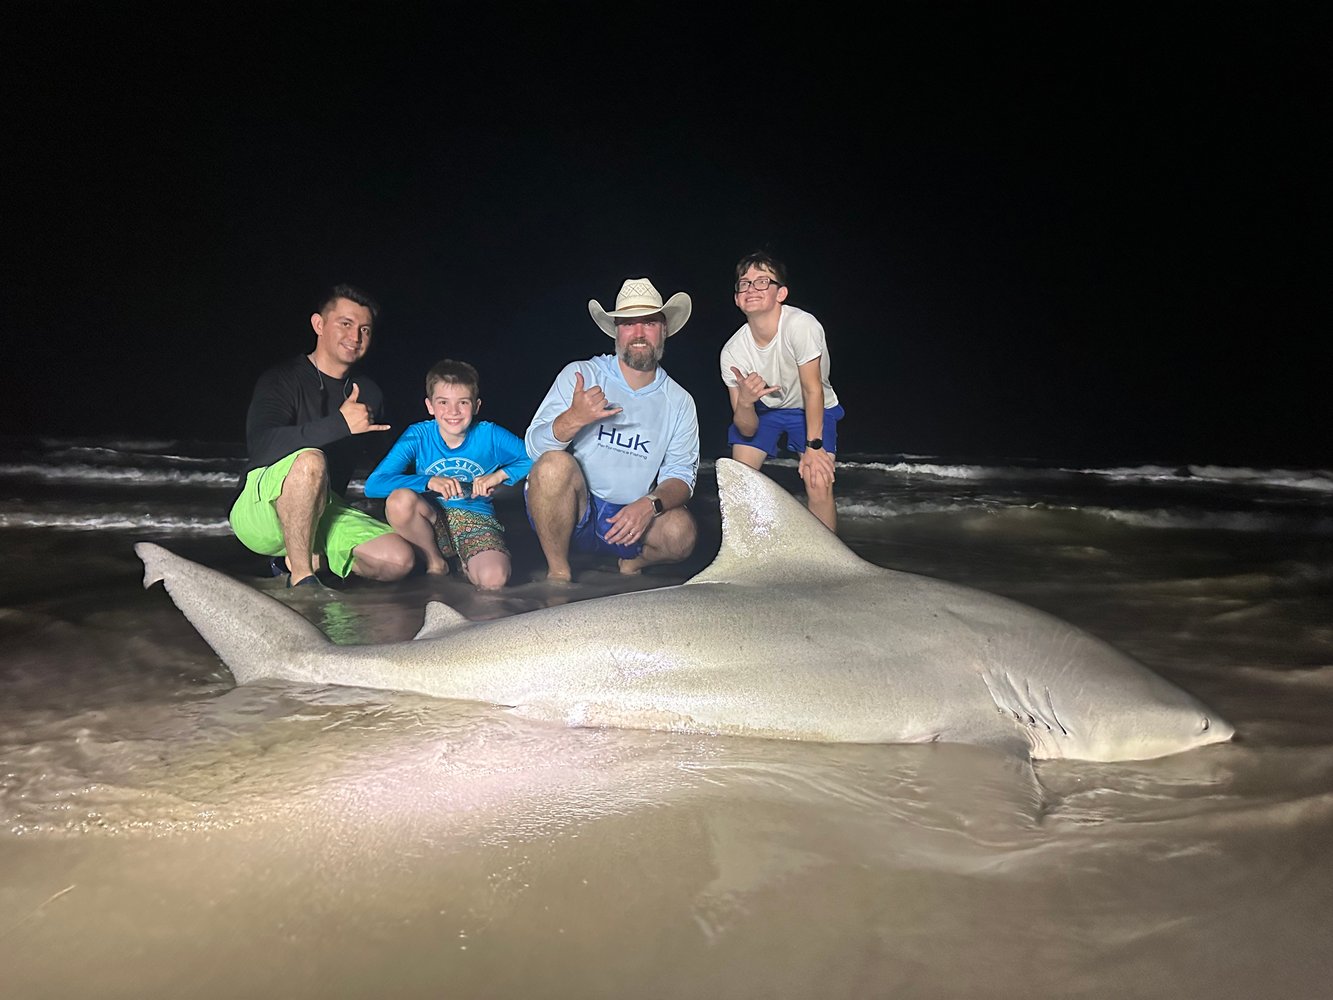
x: 1214, y: 729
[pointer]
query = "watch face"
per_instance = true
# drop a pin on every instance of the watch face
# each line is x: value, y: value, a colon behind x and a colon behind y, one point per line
x: 657, y: 505
x: 815, y: 443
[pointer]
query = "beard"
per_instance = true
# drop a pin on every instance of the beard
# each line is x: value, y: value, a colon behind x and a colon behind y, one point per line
x: 642, y: 356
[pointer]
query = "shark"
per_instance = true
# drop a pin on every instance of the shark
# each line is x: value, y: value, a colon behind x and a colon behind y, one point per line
x: 786, y: 634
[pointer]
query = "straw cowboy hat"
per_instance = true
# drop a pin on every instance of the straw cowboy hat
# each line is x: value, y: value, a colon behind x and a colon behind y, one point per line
x: 638, y: 297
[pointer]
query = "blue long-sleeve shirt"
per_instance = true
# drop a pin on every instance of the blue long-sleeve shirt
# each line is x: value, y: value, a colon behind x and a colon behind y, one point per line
x: 421, y: 453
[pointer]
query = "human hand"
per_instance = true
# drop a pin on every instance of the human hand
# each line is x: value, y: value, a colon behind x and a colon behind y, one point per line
x: 447, y: 487
x: 357, y: 415
x: 630, y: 523
x: 483, y: 486
x: 816, y: 468
x: 589, y: 405
x: 751, y: 388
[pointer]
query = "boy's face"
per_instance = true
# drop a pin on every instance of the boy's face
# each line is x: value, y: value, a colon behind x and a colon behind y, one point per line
x: 752, y: 300
x: 454, y: 408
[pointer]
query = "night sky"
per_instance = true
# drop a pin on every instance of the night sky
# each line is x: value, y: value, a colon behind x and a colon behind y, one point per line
x: 1076, y: 232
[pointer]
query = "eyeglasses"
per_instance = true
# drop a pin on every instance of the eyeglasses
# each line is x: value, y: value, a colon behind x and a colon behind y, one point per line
x: 759, y: 284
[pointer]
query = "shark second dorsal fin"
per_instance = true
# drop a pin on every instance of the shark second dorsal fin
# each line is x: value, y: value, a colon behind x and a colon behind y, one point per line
x: 767, y: 535
x: 440, y: 620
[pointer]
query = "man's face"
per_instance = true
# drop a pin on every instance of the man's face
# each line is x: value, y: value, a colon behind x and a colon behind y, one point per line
x: 343, y: 329
x: 641, y: 340
x: 754, y: 300
x: 454, y: 408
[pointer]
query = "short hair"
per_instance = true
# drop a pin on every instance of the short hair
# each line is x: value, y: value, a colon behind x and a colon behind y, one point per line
x: 353, y: 294
x: 453, y: 373
x: 764, y: 260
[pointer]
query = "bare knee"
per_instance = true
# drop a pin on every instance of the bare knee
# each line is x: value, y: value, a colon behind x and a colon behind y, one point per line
x: 309, y: 466
x: 555, y: 471
x: 674, y: 534
x: 307, y: 480
x: 488, y: 570
x: 386, y: 558
x: 686, y: 533
x: 402, y: 505
x: 399, y: 560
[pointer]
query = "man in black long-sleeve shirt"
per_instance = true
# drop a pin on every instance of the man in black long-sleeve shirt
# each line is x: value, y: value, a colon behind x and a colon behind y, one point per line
x: 306, y: 433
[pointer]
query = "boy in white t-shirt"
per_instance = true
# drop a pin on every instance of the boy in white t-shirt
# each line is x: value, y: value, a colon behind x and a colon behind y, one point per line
x: 776, y: 369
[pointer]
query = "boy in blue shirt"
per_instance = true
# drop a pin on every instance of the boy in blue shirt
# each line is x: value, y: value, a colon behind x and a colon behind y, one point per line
x: 457, y: 464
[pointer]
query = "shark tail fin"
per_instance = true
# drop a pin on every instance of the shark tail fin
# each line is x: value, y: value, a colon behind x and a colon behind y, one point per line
x: 255, y: 635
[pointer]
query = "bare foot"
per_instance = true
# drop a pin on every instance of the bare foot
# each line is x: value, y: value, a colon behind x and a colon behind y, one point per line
x: 441, y: 570
x: 559, y: 576
x: 630, y: 567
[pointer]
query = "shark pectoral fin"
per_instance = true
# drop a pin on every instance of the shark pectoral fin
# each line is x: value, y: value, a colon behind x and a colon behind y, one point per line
x: 1012, y: 744
x: 440, y: 620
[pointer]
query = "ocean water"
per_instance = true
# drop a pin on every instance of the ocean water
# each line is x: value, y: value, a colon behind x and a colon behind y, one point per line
x: 166, y: 833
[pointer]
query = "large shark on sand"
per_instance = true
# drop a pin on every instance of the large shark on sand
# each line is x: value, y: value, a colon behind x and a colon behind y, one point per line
x: 787, y: 634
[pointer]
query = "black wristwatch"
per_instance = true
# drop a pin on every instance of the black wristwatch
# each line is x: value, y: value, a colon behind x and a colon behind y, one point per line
x: 815, y: 443
x: 657, y: 504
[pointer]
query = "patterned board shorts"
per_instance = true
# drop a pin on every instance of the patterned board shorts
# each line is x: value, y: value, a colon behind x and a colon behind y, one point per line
x: 463, y: 533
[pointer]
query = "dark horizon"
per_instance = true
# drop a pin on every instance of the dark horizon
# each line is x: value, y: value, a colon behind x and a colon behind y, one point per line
x: 1077, y: 235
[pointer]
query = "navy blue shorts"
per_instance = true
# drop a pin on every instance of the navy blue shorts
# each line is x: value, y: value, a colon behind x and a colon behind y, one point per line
x: 773, y: 422
x: 590, y: 533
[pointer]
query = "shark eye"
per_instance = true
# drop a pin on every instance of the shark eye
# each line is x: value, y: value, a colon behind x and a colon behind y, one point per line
x: 1206, y: 724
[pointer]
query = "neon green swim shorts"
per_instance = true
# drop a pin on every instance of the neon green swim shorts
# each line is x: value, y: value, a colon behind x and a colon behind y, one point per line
x: 341, y: 528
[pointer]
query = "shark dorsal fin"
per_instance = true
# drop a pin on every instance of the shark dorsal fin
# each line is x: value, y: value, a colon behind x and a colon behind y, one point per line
x: 440, y: 620
x: 768, y: 535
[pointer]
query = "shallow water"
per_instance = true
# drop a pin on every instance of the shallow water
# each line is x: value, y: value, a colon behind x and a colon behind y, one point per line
x: 165, y: 833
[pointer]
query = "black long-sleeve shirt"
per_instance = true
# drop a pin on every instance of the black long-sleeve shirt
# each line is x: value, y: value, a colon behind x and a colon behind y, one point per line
x: 296, y: 406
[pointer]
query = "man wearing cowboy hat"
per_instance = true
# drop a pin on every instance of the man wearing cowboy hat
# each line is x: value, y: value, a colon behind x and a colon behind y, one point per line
x: 616, y: 444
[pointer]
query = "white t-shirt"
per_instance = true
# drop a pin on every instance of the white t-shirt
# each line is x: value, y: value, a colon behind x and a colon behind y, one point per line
x: 799, y: 339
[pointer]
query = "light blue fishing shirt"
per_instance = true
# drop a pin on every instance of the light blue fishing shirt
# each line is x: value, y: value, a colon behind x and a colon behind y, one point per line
x: 655, y: 436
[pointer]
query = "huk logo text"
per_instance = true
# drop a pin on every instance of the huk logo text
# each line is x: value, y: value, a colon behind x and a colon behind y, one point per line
x: 613, y: 436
